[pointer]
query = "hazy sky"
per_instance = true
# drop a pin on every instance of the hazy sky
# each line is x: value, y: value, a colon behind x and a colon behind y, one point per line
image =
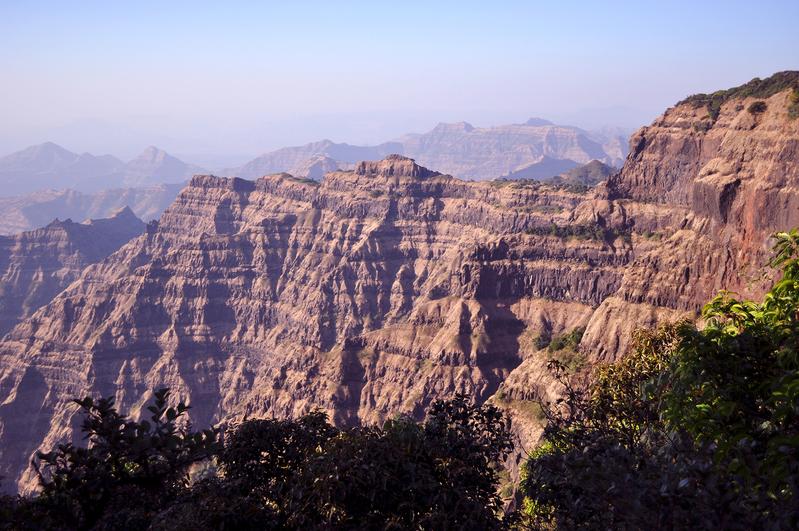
x: 233, y: 79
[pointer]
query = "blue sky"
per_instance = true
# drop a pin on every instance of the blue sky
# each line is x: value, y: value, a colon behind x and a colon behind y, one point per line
x: 238, y: 78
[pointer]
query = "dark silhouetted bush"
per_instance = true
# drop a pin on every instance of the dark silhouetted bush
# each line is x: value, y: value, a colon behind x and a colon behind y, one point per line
x: 757, y: 107
x: 272, y: 474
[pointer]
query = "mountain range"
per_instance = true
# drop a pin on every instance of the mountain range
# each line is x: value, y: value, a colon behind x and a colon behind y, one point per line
x: 47, y: 181
x: 389, y: 285
x: 535, y: 149
x: 37, y: 209
x: 50, y: 166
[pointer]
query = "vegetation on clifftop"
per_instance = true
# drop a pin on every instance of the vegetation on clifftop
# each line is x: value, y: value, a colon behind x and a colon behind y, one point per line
x: 756, y: 88
x: 585, y: 231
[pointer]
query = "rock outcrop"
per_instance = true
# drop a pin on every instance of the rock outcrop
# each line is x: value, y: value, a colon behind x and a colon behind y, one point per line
x: 384, y: 288
x: 36, y: 265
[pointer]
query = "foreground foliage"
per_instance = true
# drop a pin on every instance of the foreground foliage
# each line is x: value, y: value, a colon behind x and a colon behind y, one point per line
x: 695, y: 429
x: 271, y: 474
x: 698, y: 428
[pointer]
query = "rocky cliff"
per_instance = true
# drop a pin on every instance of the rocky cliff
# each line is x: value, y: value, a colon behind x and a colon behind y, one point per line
x: 386, y: 287
x: 36, y: 265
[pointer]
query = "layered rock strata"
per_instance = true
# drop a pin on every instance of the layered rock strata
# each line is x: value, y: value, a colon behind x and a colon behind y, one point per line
x: 384, y: 288
x: 36, y: 265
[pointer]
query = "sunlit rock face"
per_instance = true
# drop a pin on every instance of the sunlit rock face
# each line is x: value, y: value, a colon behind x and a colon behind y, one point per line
x: 386, y: 287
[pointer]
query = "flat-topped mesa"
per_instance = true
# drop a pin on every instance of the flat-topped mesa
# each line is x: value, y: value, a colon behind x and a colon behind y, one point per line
x: 394, y: 166
x: 226, y: 183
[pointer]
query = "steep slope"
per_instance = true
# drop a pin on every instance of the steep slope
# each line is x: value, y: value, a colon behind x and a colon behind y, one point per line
x: 34, y: 210
x: 36, y: 265
x: 381, y: 289
x: 369, y: 294
x: 51, y: 166
x: 710, y: 181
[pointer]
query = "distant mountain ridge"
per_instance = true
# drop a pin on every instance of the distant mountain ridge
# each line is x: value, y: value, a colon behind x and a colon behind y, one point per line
x: 155, y: 166
x: 50, y: 166
x: 37, y: 209
x: 537, y: 148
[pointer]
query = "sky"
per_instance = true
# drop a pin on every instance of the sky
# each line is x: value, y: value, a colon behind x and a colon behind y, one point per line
x: 220, y: 82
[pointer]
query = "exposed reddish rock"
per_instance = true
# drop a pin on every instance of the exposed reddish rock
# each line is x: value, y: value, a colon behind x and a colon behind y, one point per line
x: 384, y: 288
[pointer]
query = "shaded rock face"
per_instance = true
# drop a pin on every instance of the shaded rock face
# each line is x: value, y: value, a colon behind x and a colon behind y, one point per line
x: 316, y: 167
x: 382, y: 289
x: 35, y: 266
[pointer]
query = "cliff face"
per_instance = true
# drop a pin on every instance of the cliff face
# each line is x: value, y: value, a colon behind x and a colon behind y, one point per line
x: 383, y: 288
x: 36, y: 265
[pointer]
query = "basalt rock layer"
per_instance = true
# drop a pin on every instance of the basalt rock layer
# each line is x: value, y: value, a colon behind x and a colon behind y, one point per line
x: 36, y: 265
x: 384, y: 288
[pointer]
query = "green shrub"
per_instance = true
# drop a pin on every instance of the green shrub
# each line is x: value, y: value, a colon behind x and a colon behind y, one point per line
x: 757, y: 88
x: 757, y: 107
x: 442, y: 473
x: 695, y: 429
x: 543, y: 340
x: 588, y: 231
x: 128, y: 471
x: 793, y: 105
x: 569, y: 340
